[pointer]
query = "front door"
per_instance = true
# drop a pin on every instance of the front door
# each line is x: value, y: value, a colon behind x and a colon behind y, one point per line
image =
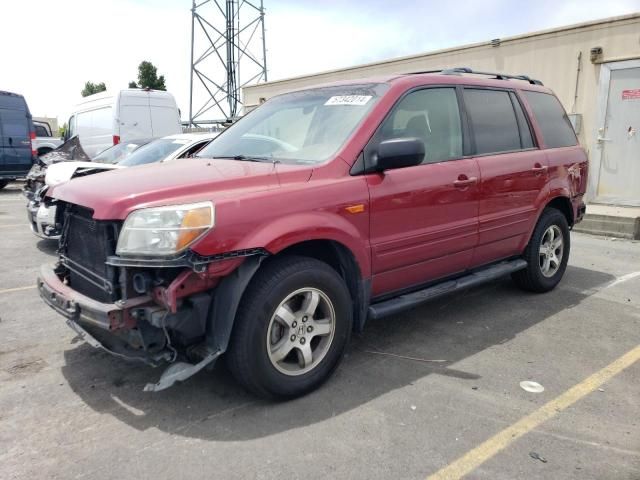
x: 424, y: 223
x: 618, y: 137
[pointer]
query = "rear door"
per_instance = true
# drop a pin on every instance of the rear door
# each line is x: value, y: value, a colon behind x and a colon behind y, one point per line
x: 15, y: 141
x: 424, y: 219
x: 513, y: 172
x: 165, y: 119
x: 135, y: 116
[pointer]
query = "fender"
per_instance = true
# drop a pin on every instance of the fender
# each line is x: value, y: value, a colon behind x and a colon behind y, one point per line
x: 317, y: 225
x: 541, y: 204
x: 225, y: 302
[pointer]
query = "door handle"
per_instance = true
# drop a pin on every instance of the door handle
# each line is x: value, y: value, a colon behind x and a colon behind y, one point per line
x: 602, y: 139
x: 463, y: 181
x: 539, y: 168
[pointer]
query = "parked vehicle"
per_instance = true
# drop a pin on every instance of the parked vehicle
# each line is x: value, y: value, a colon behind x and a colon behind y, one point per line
x: 318, y: 210
x: 45, y: 142
x: 106, y: 119
x: 69, y: 151
x: 138, y: 152
x: 16, y: 137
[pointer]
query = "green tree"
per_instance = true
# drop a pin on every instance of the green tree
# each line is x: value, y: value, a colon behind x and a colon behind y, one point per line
x: 90, y: 88
x: 148, y: 77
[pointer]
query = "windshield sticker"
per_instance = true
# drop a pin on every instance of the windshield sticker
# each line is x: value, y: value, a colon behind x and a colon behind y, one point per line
x: 348, y: 100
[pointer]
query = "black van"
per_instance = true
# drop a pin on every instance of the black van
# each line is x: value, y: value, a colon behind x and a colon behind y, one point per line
x: 16, y: 133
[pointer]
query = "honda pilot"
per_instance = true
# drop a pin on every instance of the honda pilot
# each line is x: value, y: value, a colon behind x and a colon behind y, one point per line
x: 319, y: 210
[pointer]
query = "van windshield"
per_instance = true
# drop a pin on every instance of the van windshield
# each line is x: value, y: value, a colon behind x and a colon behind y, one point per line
x: 155, y: 151
x: 308, y: 126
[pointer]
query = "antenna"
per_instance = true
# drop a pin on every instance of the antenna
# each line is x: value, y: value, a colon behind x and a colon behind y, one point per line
x: 228, y: 52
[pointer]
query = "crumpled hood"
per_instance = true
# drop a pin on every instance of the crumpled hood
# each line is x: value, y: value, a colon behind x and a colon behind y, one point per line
x: 113, y: 195
x: 68, y: 151
x: 65, y: 171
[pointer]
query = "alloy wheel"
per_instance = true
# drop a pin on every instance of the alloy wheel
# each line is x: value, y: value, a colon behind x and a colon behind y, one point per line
x: 551, y: 251
x: 301, y: 331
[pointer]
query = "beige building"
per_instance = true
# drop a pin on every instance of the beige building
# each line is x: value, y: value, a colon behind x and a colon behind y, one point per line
x: 593, y: 67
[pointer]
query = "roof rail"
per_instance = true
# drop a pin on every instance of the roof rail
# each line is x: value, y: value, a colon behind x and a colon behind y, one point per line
x: 499, y: 76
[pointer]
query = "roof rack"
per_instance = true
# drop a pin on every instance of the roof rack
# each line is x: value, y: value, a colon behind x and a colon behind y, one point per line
x: 498, y: 76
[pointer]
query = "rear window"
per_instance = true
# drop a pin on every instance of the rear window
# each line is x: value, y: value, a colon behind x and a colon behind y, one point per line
x: 41, y: 131
x: 493, y: 120
x: 553, y: 121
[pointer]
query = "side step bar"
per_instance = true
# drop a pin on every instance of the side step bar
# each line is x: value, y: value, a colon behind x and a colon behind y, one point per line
x: 410, y: 300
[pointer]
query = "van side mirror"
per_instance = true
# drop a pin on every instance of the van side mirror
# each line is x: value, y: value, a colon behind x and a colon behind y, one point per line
x: 398, y: 153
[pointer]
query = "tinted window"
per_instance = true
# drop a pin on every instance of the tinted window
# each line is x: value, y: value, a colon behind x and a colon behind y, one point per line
x: 526, y: 140
x: 431, y: 115
x: 41, y: 131
x: 553, y: 121
x: 492, y: 120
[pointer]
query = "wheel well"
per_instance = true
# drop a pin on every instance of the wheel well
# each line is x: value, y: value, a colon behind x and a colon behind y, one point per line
x: 340, y: 258
x: 564, y: 205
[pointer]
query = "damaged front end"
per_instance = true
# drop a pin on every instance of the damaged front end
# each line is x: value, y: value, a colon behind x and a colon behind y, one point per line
x: 176, y: 310
x: 69, y: 151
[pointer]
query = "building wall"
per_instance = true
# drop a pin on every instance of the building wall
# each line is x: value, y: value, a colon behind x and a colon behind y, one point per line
x: 550, y: 56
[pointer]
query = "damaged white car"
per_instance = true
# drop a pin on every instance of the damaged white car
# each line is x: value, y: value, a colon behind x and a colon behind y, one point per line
x: 42, y: 215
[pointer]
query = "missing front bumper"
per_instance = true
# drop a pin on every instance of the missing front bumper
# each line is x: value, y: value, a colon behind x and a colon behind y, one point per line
x: 92, y: 320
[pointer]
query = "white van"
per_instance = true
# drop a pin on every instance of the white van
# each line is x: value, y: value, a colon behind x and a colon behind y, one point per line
x: 107, y: 118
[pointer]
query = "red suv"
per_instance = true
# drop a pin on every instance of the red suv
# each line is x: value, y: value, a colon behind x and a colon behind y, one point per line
x: 318, y: 210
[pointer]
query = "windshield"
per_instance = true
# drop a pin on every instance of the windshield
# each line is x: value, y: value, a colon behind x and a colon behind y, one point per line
x: 300, y: 127
x: 153, y: 152
x: 120, y: 152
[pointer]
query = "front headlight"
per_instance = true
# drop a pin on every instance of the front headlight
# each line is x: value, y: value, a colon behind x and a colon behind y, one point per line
x: 165, y: 231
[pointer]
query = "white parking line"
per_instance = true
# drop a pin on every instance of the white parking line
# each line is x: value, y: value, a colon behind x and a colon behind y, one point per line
x: 623, y: 278
x: 14, y: 225
x: 17, y: 289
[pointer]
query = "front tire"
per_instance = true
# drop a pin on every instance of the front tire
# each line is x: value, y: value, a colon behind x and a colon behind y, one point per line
x: 291, y: 329
x: 546, y: 254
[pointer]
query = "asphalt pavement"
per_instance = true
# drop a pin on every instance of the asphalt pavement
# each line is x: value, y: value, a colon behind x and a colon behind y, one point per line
x: 432, y: 392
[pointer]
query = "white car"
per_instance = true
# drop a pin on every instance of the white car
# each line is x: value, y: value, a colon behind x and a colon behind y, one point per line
x: 42, y: 216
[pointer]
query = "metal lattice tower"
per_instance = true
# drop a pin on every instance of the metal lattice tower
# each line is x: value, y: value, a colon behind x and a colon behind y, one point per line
x: 223, y: 57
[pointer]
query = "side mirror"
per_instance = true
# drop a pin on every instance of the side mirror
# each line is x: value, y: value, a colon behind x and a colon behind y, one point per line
x: 398, y: 153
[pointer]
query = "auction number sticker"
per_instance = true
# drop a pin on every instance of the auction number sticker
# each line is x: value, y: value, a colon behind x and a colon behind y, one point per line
x: 348, y: 100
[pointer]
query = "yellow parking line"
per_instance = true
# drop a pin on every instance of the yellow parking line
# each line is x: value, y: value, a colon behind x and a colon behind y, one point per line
x: 476, y: 457
x: 18, y: 289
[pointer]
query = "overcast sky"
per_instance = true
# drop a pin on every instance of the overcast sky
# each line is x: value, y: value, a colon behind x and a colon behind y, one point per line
x: 48, y: 49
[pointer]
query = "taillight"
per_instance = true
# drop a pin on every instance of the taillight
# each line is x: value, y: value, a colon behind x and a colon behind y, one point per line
x: 32, y: 137
x: 116, y: 139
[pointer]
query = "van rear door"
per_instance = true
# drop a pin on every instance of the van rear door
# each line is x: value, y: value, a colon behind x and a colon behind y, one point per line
x: 134, y: 117
x: 165, y: 119
x: 15, y: 143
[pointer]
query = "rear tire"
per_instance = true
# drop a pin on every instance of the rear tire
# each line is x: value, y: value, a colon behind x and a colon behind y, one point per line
x: 4, y: 183
x: 546, y: 254
x: 291, y: 329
